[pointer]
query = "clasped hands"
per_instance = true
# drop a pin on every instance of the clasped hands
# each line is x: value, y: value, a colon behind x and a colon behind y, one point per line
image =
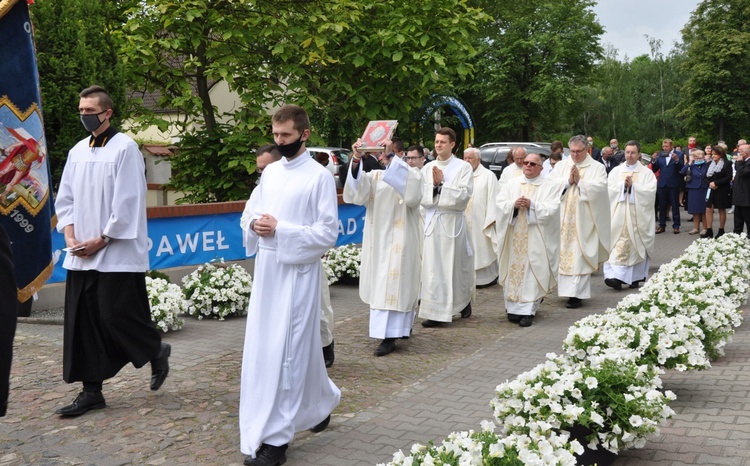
x: 265, y: 225
x: 575, y: 177
x: 522, y: 202
x: 437, y: 176
x: 90, y: 247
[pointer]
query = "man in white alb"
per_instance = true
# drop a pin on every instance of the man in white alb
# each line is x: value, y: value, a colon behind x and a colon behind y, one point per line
x: 447, y: 258
x: 265, y: 156
x: 391, y: 247
x: 632, y: 192
x: 480, y: 215
x: 584, y: 221
x: 528, y: 234
x: 293, y: 222
x: 514, y: 170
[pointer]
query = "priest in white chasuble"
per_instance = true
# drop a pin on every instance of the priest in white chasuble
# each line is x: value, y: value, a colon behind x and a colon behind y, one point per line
x: 584, y: 221
x: 292, y: 223
x: 528, y: 235
x: 480, y: 215
x: 632, y: 191
x: 447, y: 258
x: 514, y: 170
x: 391, y: 247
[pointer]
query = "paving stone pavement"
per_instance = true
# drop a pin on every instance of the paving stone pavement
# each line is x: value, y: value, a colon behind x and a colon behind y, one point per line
x: 439, y: 381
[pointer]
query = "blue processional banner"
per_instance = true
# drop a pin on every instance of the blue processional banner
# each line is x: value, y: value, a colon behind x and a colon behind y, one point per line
x: 179, y: 241
x: 26, y: 209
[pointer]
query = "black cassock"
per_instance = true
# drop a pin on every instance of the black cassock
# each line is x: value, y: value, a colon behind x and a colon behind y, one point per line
x: 107, y: 324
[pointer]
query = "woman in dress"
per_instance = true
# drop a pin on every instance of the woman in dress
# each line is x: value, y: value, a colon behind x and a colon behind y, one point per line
x: 696, y: 186
x: 719, y: 193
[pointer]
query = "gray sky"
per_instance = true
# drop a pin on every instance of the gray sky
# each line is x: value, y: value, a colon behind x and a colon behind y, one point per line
x: 626, y: 21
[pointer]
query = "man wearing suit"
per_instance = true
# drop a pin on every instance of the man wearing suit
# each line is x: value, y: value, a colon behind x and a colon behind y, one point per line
x: 741, y: 190
x: 609, y: 160
x: 668, y: 164
x: 595, y: 153
x: 8, y: 312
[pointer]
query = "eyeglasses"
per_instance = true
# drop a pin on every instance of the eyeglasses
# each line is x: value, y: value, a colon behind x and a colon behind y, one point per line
x: 531, y: 164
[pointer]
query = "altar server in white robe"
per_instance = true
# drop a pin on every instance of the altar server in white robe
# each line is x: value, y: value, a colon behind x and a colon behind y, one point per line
x: 584, y: 219
x: 528, y: 234
x: 264, y: 156
x: 391, y: 247
x: 447, y: 258
x: 632, y: 191
x: 515, y: 170
x: 480, y: 216
x: 284, y: 386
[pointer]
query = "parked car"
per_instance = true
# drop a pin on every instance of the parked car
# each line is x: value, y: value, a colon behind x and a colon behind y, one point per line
x: 332, y: 158
x: 493, y: 154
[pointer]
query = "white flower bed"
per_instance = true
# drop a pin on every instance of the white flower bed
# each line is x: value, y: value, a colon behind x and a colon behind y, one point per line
x: 217, y: 290
x: 340, y: 261
x: 609, y: 379
x: 167, y: 304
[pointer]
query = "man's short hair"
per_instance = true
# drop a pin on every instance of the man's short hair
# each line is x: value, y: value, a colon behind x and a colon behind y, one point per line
x: 668, y: 141
x: 101, y: 94
x: 398, y: 144
x: 556, y: 145
x: 269, y: 149
x: 635, y: 143
x: 579, y: 139
x: 447, y: 132
x: 471, y: 149
x: 416, y: 147
x: 294, y: 113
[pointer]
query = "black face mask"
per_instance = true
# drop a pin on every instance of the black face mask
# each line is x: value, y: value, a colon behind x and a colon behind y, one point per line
x: 91, y: 121
x: 291, y: 149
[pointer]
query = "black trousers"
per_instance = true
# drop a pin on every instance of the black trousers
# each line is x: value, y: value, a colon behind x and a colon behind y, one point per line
x: 741, y: 219
x: 8, y: 314
x: 107, y: 325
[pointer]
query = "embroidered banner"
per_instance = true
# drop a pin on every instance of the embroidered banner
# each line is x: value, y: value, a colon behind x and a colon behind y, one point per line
x: 26, y: 209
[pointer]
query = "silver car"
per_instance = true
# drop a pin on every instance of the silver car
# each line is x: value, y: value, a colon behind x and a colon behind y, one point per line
x: 333, y: 158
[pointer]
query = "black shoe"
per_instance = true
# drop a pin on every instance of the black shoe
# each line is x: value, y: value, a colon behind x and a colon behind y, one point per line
x: 720, y: 233
x: 268, y: 455
x: 466, y: 313
x: 708, y: 234
x: 322, y: 426
x: 386, y: 347
x: 432, y: 323
x: 514, y: 318
x: 615, y: 283
x: 633, y: 285
x: 574, y: 303
x: 328, y: 355
x: 492, y: 283
x: 160, y: 367
x: 525, y: 321
x: 84, y: 402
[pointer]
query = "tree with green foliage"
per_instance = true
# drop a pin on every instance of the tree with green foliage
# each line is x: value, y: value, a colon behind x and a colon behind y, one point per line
x: 534, y: 59
x: 75, y: 49
x: 717, y: 44
x: 346, y: 61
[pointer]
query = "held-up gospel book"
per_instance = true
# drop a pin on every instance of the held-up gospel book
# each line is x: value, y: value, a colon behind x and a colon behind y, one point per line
x: 376, y: 133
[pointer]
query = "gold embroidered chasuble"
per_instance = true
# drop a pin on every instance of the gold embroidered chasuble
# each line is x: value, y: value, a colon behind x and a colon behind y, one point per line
x: 632, y: 214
